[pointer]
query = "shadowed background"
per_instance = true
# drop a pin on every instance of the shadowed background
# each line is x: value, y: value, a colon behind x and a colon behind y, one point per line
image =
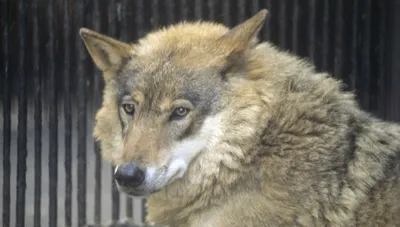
x: 52, y: 173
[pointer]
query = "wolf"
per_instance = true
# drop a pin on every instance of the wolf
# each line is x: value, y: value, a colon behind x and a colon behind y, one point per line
x: 217, y: 128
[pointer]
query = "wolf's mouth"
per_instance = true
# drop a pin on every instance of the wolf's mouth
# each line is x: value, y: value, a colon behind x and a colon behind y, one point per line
x: 138, y: 192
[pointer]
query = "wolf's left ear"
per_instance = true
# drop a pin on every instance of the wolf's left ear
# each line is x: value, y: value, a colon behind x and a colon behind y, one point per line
x: 241, y: 36
x: 105, y: 51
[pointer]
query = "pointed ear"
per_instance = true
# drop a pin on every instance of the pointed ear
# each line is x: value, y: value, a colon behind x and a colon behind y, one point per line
x: 105, y: 51
x: 241, y: 36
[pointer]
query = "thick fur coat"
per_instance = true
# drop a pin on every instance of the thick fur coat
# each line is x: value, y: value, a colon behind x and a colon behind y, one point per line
x: 280, y: 144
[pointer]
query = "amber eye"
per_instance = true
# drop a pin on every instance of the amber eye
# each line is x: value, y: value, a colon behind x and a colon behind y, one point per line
x: 180, y: 112
x: 129, y: 109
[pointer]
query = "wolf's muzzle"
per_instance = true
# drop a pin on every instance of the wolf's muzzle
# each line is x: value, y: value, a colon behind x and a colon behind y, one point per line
x: 129, y: 175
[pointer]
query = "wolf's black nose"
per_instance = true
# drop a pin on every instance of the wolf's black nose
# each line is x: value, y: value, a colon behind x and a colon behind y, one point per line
x: 129, y: 175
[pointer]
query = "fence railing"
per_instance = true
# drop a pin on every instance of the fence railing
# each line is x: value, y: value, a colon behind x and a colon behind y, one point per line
x: 52, y: 171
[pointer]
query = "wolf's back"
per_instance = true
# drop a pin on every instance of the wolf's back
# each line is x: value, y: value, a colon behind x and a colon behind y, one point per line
x: 379, y: 145
x: 338, y: 159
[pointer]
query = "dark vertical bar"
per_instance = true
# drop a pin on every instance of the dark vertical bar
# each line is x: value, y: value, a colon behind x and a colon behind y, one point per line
x: 198, y: 9
x: 129, y: 207
x: 81, y: 121
x: 97, y: 193
x: 394, y: 66
x: 255, y: 7
x: 366, y: 55
x: 342, y: 59
x: 155, y: 16
x: 269, y: 22
x: 282, y: 24
x: 211, y: 10
x: 376, y: 78
x: 6, y: 89
x: 382, y: 34
x: 115, y: 196
x: 38, y: 117
x: 311, y: 29
x: 22, y: 118
x: 325, y: 35
x: 139, y: 18
x: 124, y: 20
x: 169, y: 11
x: 185, y: 9
x: 339, y: 35
x: 67, y: 115
x: 226, y: 13
x: 241, y: 7
x: 144, y: 210
x: 53, y: 118
x: 354, y: 45
x: 295, y: 25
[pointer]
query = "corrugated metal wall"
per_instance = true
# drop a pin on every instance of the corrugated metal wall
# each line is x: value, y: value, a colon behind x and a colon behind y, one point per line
x: 51, y: 169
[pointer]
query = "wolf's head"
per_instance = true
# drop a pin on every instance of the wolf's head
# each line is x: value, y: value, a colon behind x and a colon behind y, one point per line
x: 163, y: 97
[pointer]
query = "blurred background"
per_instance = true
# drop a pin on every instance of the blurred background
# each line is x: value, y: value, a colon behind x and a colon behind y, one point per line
x: 51, y: 170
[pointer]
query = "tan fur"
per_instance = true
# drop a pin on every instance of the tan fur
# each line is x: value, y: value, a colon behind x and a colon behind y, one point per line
x: 294, y: 148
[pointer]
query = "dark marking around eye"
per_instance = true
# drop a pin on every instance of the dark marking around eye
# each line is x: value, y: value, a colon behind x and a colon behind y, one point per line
x: 124, y: 94
x: 192, y: 97
x: 123, y: 85
x: 121, y: 96
x: 189, y: 131
x: 122, y: 123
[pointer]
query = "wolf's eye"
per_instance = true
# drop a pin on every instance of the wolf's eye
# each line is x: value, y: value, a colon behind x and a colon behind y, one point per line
x: 129, y: 109
x: 179, y: 112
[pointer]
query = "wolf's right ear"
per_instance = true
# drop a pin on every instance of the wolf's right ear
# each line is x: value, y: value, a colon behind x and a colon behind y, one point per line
x: 105, y: 51
x: 241, y: 36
